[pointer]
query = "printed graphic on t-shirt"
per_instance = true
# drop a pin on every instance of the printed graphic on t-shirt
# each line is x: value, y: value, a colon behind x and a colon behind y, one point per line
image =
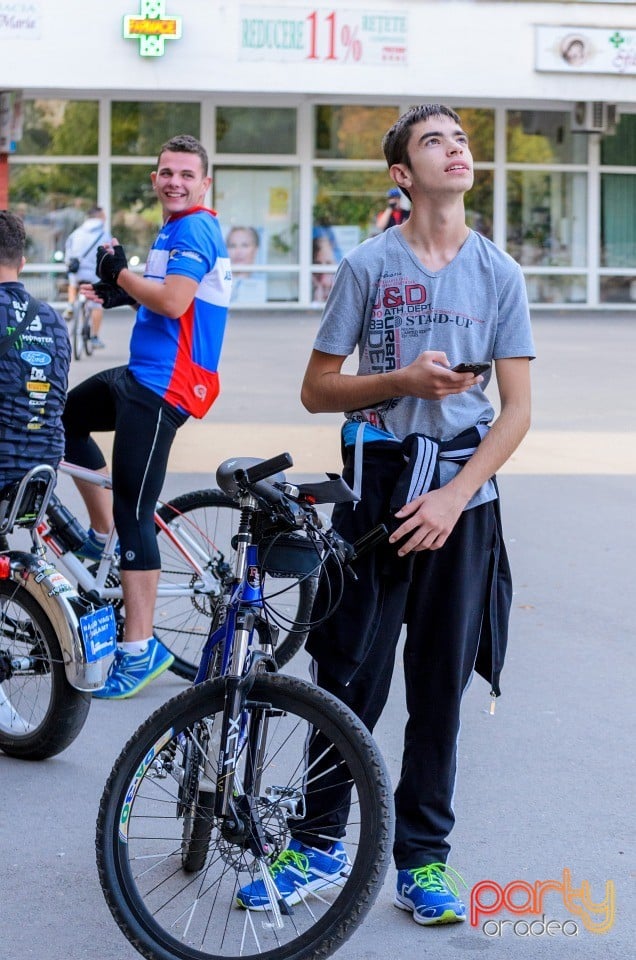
x: 404, y: 310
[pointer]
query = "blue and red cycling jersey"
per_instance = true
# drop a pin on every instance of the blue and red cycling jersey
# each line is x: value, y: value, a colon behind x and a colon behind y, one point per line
x: 178, y: 358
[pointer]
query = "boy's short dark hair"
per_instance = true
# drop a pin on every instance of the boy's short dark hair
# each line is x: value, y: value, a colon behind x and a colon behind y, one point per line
x: 396, y: 139
x: 184, y: 143
x: 12, y: 239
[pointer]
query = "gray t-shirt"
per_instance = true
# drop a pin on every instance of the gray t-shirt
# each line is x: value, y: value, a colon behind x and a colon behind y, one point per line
x: 392, y: 308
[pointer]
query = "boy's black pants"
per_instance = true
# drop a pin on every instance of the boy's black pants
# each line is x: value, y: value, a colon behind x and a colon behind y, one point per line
x: 441, y: 595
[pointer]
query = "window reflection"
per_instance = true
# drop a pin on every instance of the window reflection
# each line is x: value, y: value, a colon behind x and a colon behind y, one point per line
x: 139, y: 129
x: 352, y: 132
x: 52, y: 199
x: 254, y: 130
x: 547, y: 220
x: 618, y: 220
x: 59, y: 127
x: 543, y: 136
x: 620, y: 148
x: 136, y: 215
x: 556, y: 289
x: 480, y: 127
x: 618, y: 289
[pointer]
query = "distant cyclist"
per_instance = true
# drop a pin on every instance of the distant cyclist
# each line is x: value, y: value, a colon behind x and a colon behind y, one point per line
x: 79, y: 253
x: 182, y: 301
x: 33, y: 368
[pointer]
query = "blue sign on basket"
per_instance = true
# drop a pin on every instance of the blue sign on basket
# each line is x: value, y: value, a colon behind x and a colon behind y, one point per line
x: 99, y: 633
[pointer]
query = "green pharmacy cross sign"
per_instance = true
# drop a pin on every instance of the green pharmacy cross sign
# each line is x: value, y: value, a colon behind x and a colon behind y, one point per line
x: 152, y: 28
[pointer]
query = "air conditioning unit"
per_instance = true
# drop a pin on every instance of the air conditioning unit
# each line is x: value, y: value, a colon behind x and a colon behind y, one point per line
x: 594, y: 116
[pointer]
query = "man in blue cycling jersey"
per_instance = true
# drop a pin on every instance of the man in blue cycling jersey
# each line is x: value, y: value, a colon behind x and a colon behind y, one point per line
x: 33, y: 370
x: 175, y: 347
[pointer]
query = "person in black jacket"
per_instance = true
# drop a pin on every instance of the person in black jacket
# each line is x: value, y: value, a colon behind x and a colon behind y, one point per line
x: 33, y: 371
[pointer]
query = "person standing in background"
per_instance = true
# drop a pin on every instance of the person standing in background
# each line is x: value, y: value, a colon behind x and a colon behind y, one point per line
x: 33, y: 370
x: 80, y: 252
x: 394, y: 213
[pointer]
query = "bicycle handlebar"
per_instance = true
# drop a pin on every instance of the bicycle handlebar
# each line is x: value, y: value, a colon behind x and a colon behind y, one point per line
x: 253, y: 479
x: 260, y: 471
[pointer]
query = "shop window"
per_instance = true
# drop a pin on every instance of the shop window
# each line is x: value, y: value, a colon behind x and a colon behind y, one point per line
x: 620, y: 149
x: 618, y: 220
x: 543, y: 136
x: 254, y: 130
x: 352, y: 132
x: 479, y: 203
x: 52, y: 199
x: 139, y: 128
x: 346, y: 204
x: 136, y: 214
x: 258, y: 213
x: 480, y: 127
x: 547, y: 218
x: 548, y: 288
x: 618, y: 289
x: 59, y: 128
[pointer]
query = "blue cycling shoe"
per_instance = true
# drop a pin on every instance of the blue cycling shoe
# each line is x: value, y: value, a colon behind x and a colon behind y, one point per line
x: 92, y: 548
x: 129, y: 674
x: 431, y: 894
x: 297, y: 871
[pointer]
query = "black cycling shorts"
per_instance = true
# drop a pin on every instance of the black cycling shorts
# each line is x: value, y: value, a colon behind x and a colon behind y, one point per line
x: 145, y: 427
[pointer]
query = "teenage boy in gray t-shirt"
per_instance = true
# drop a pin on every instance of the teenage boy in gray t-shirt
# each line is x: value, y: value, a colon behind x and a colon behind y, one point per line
x: 422, y: 446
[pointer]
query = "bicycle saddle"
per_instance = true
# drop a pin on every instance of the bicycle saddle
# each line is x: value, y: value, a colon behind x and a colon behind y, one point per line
x: 225, y: 473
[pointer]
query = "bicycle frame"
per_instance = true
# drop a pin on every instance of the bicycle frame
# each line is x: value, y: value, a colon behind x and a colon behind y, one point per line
x: 95, y: 584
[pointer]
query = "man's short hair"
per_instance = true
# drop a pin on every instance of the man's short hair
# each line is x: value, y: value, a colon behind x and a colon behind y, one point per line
x: 12, y: 239
x: 396, y: 139
x: 95, y: 211
x: 184, y: 143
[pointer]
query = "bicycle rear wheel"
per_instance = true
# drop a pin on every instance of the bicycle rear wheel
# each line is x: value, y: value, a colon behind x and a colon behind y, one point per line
x: 205, y: 521
x: 40, y: 712
x: 170, y: 913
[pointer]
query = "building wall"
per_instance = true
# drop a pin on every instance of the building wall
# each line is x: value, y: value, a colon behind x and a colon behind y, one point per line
x: 291, y: 101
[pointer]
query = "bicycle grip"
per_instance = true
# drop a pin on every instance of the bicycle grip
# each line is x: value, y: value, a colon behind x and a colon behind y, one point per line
x: 369, y: 541
x: 260, y: 471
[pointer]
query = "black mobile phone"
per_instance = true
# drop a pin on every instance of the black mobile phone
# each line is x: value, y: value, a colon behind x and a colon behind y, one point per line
x: 474, y: 366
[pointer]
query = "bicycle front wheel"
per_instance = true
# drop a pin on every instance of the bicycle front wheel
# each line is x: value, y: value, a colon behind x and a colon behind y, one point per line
x: 169, y: 912
x: 204, y: 523
x: 40, y: 712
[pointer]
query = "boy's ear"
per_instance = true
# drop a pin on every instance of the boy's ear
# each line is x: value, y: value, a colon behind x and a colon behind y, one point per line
x: 401, y: 175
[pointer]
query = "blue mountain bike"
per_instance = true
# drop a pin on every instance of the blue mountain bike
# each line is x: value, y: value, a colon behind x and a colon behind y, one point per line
x: 204, y: 795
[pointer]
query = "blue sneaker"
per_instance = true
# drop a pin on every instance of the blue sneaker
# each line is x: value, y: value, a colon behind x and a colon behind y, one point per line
x: 297, y: 871
x: 92, y: 548
x: 430, y: 893
x: 129, y: 674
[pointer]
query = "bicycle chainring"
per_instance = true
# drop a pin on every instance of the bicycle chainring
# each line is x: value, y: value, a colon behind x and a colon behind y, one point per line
x: 112, y: 580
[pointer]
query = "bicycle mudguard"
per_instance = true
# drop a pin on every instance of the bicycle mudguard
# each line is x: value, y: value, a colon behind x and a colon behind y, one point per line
x: 62, y: 605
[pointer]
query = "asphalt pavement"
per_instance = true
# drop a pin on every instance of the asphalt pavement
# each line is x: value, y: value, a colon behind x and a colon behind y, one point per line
x: 545, y: 786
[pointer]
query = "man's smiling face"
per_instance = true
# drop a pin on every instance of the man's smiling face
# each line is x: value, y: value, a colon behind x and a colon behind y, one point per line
x: 179, y: 181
